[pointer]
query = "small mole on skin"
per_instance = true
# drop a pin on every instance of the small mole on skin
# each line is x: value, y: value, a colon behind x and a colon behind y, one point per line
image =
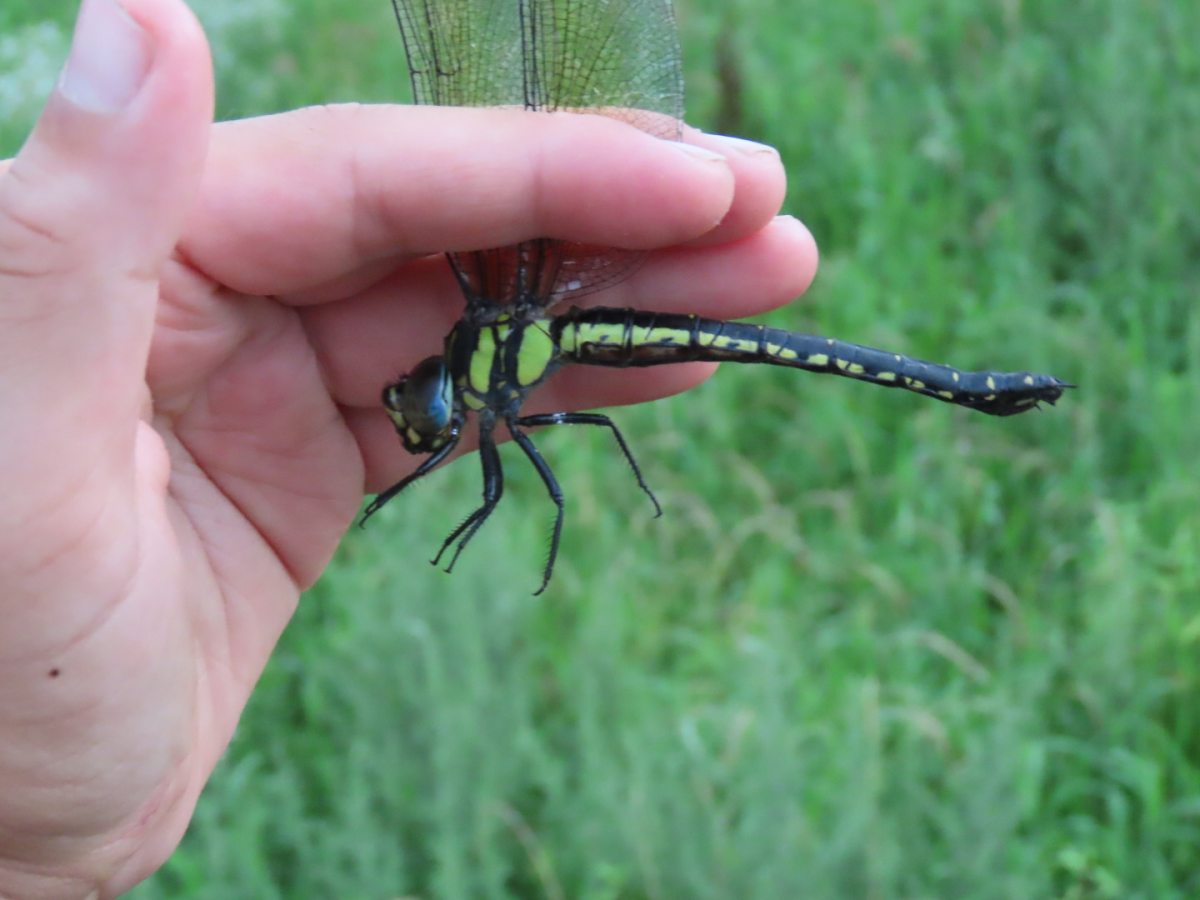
x: 55, y: 672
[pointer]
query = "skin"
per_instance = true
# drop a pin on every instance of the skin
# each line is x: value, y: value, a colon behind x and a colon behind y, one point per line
x: 195, y: 324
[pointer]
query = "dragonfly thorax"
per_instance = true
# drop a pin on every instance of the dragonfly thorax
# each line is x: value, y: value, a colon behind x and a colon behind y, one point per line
x: 421, y: 406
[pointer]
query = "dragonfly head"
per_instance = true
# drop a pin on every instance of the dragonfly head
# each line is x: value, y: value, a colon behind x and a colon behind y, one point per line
x: 421, y: 406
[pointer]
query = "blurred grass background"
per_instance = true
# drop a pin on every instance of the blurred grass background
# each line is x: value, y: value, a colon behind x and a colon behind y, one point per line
x: 877, y: 647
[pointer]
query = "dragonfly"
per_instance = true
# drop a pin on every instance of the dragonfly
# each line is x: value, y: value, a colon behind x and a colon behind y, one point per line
x: 617, y: 58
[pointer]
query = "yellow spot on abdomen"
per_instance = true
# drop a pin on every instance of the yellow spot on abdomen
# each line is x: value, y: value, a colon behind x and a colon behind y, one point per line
x: 736, y: 344
x: 778, y: 351
x: 659, y: 337
x: 591, y: 333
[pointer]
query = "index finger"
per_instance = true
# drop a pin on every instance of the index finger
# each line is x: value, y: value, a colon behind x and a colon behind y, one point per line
x: 293, y: 201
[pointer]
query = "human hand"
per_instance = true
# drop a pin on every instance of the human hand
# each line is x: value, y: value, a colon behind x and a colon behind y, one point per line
x: 195, y: 324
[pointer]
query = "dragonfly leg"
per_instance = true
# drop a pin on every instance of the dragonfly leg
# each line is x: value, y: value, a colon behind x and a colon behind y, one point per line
x: 423, y: 469
x: 565, y: 418
x: 552, y: 487
x: 493, y: 487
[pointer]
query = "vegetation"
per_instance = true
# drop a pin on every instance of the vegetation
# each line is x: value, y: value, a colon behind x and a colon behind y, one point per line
x: 877, y: 647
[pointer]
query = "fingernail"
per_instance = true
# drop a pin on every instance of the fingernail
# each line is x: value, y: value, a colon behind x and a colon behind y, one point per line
x: 110, y: 56
x: 743, y: 146
x: 698, y: 152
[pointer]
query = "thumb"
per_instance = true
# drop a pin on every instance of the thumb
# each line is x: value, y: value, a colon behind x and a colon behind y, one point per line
x: 89, y: 210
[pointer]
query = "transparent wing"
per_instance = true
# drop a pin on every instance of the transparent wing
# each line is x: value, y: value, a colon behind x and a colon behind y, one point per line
x: 618, y: 58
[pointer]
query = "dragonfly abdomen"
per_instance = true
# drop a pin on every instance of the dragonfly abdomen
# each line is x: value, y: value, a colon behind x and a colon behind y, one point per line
x: 627, y: 337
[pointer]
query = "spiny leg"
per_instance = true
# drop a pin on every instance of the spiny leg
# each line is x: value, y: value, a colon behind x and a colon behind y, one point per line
x: 564, y: 418
x: 552, y: 487
x: 493, y: 488
x: 423, y: 469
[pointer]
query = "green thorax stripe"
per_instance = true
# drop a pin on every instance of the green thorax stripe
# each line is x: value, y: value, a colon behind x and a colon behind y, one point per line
x: 501, y: 360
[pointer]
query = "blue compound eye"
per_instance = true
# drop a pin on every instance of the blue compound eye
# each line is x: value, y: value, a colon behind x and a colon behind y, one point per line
x: 428, y: 395
x: 421, y: 405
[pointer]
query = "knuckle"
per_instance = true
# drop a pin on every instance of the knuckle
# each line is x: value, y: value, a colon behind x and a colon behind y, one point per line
x: 34, y: 241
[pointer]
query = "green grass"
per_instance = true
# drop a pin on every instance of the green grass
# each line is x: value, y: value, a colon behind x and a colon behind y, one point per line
x: 877, y: 647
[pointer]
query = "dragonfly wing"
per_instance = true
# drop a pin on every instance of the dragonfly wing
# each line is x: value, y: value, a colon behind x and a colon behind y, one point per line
x: 617, y: 58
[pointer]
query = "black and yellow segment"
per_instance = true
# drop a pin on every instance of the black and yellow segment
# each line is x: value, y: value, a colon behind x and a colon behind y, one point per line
x: 627, y: 337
